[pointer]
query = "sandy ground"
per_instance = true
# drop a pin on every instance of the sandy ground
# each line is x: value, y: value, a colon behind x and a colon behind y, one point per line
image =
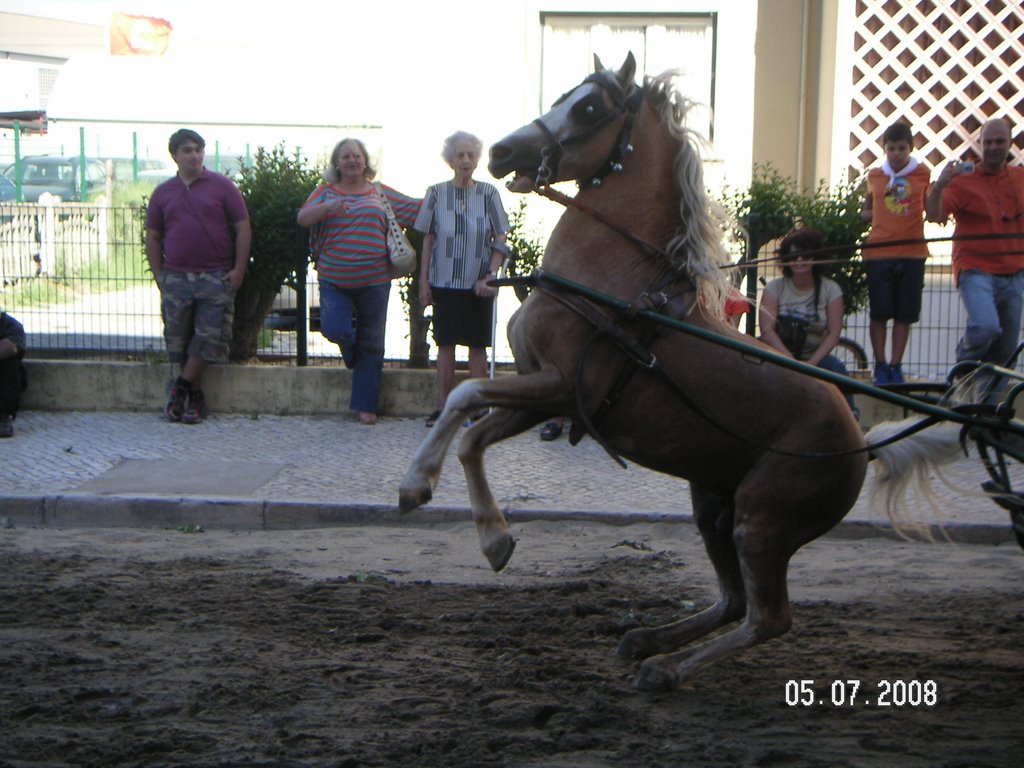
x: 399, y: 647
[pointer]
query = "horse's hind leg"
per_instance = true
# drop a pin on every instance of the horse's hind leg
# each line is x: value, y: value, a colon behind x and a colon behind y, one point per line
x: 768, y: 616
x: 714, y: 516
x: 779, y: 508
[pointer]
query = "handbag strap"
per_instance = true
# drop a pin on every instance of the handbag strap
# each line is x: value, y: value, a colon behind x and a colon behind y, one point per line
x: 392, y: 222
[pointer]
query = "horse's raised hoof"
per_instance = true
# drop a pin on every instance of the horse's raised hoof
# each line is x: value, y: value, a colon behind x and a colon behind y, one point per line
x: 411, y: 498
x: 499, y: 552
x: 655, y: 677
x: 637, y: 644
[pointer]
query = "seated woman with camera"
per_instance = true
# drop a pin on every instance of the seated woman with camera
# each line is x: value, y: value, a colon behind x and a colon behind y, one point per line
x: 801, y: 313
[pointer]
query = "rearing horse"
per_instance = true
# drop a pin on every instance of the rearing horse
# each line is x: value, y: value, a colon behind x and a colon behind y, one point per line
x: 765, y: 449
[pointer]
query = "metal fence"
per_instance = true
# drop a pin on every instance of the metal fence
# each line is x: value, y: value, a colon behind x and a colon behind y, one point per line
x: 76, y: 276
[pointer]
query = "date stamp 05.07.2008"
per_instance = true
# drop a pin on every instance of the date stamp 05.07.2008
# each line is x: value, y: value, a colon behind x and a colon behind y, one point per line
x: 855, y: 693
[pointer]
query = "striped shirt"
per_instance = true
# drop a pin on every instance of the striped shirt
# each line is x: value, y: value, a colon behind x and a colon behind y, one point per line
x: 465, y: 222
x: 351, y: 248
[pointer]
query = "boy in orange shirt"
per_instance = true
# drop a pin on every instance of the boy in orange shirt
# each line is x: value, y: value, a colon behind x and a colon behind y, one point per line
x: 894, y: 205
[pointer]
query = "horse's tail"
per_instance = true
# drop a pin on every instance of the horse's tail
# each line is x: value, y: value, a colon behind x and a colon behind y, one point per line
x: 907, y: 463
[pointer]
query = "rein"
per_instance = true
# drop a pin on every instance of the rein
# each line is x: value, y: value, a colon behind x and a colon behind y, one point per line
x: 995, y: 418
x: 572, y: 202
x: 747, y: 264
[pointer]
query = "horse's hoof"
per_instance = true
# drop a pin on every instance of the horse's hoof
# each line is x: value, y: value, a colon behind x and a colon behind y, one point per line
x: 655, y: 677
x: 500, y: 551
x: 636, y: 644
x: 411, y: 498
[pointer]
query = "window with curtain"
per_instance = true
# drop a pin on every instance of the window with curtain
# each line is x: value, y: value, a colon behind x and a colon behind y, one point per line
x: 681, y: 42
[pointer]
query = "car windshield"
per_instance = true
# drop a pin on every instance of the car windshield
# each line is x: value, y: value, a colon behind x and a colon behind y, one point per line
x: 47, y: 173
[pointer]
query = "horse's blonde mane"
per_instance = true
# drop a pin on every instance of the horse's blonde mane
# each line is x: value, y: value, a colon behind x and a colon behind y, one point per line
x: 698, y: 247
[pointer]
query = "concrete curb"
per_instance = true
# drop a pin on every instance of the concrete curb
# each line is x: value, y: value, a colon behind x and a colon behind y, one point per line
x: 74, y: 510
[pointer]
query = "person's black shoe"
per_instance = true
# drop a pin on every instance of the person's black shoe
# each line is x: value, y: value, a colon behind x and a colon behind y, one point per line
x: 474, y: 418
x: 196, y: 410
x: 551, y: 431
x: 176, y: 403
x: 6, y: 426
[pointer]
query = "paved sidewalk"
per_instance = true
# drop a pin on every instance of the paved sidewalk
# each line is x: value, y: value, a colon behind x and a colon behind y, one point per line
x: 134, y: 469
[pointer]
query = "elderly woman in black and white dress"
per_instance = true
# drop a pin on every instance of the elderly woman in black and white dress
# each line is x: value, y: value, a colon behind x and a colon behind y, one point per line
x: 464, y: 225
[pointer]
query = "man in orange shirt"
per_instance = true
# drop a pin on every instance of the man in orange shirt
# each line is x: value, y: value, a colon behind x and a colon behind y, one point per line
x: 986, y: 200
x: 894, y: 205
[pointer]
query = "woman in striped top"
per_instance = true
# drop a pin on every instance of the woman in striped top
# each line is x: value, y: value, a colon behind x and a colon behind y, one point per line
x: 464, y: 225
x: 349, y: 242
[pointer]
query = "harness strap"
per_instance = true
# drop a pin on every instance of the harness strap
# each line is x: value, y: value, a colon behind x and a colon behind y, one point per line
x: 637, y: 356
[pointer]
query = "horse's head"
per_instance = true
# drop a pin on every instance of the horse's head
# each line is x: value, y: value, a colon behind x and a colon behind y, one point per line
x: 584, y: 135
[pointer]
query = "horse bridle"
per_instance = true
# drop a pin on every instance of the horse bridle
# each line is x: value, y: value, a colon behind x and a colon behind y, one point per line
x: 626, y: 107
x: 623, y: 106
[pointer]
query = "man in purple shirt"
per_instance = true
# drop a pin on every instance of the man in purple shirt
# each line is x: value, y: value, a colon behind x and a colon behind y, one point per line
x: 197, y: 242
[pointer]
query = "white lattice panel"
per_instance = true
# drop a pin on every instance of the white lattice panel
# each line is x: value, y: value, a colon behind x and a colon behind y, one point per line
x: 943, y: 66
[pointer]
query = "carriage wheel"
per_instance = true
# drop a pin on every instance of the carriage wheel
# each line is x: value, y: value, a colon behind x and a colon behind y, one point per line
x: 852, y: 355
x: 1011, y: 502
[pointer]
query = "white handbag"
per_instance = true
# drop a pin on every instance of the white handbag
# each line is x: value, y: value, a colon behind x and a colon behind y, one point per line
x: 401, y: 254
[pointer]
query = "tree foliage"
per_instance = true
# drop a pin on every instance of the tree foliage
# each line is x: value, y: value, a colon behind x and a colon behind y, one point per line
x: 835, y: 213
x: 274, y: 187
x: 419, y: 321
x: 764, y: 211
x: 525, y: 247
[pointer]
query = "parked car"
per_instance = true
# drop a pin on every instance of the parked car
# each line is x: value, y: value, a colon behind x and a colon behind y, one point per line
x: 150, y: 171
x: 58, y: 176
x: 284, y: 312
x: 7, y: 190
x: 228, y: 164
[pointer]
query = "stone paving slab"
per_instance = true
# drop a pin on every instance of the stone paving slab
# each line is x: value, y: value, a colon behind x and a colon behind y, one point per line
x: 309, y: 471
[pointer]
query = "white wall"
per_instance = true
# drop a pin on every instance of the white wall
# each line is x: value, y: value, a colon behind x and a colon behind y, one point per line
x: 421, y: 71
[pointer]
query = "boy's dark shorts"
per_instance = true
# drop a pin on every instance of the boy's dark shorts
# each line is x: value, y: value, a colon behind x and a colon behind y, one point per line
x: 198, y: 309
x: 894, y: 289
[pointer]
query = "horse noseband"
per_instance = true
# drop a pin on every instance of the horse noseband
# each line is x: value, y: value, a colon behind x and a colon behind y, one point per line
x: 549, y: 156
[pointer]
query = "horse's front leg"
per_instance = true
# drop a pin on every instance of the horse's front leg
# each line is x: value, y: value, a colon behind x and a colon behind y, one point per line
x: 496, y: 542
x: 417, y: 487
x: 526, y: 392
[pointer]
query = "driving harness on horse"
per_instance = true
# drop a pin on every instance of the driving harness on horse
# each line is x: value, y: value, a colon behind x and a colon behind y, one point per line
x: 673, y: 296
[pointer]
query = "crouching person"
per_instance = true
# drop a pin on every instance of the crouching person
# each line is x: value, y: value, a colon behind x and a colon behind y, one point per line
x: 197, y: 243
x: 12, y: 371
